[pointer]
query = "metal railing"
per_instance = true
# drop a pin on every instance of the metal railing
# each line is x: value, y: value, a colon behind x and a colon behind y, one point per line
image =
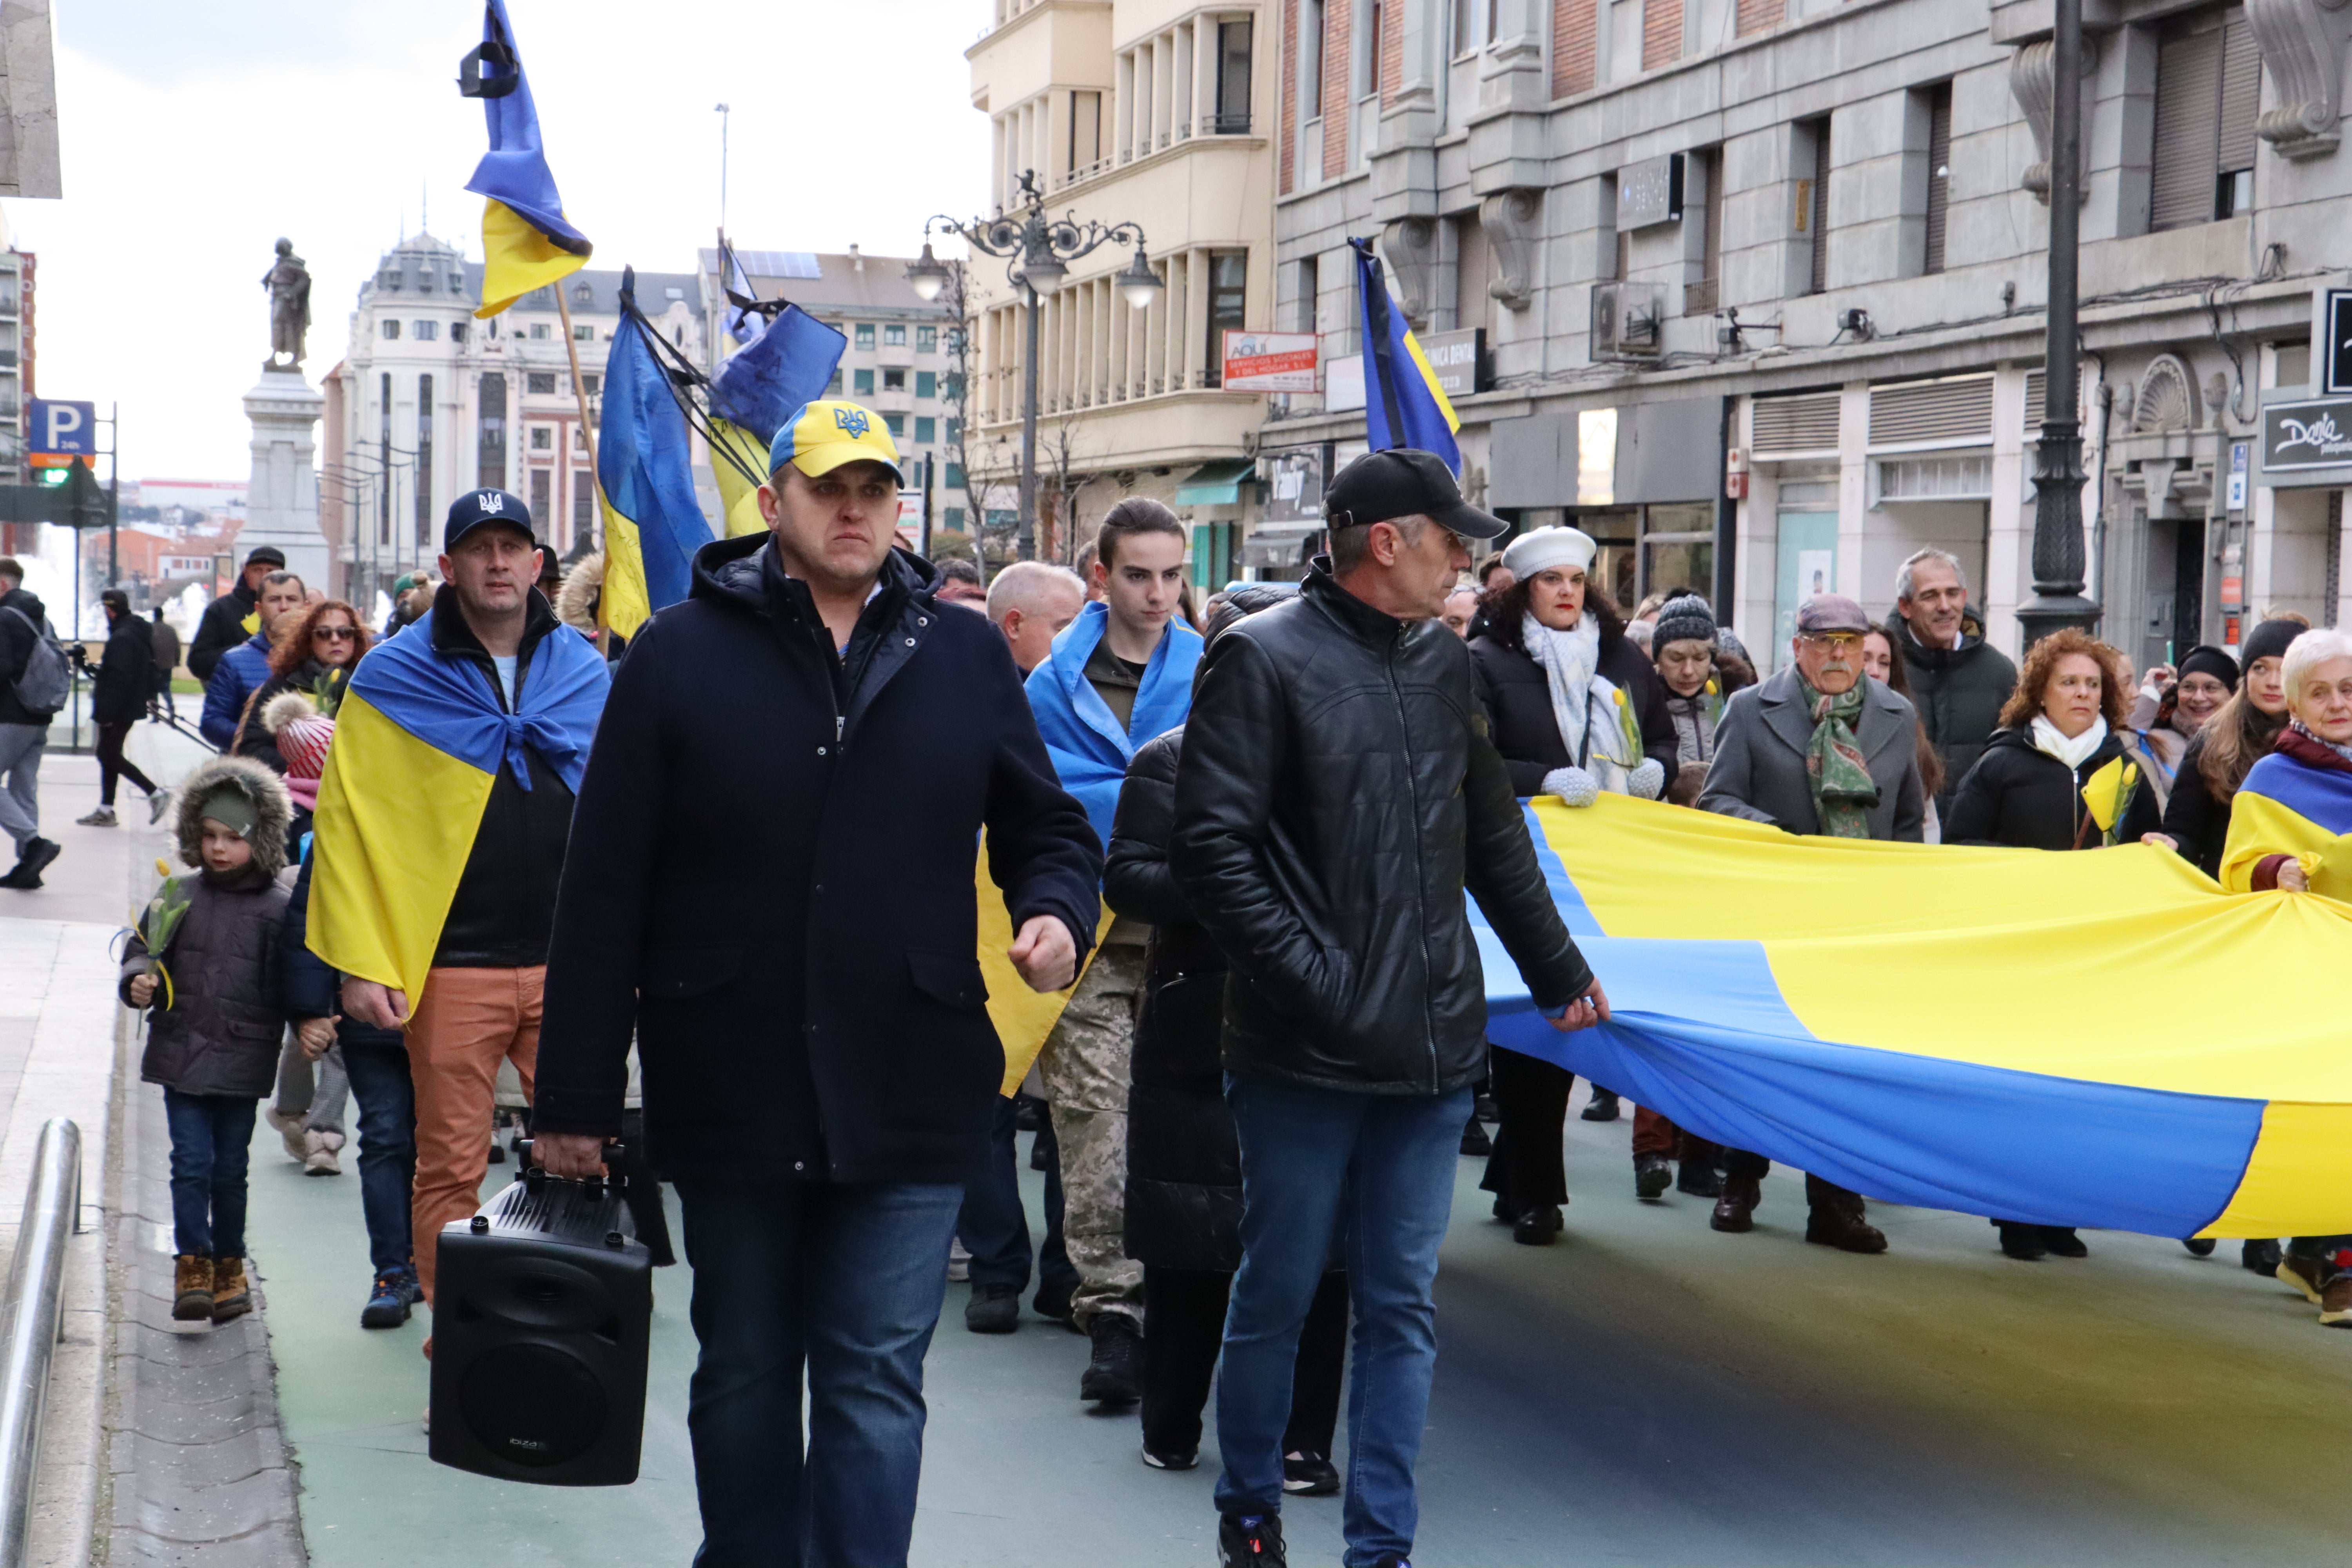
x: 30, y: 1316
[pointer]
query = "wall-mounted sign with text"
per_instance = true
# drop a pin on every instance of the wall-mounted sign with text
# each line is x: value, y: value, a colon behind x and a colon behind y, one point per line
x: 2312, y: 434
x: 1269, y: 361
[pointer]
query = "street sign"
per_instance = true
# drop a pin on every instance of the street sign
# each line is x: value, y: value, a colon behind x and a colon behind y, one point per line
x: 1459, y: 359
x: 70, y: 428
x: 1269, y: 361
x: 2235, y: 497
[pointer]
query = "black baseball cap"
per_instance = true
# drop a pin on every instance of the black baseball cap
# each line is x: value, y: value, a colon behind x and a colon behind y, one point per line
x: 1404, y: 482
x: 266, y: 556
x: 477, y: 509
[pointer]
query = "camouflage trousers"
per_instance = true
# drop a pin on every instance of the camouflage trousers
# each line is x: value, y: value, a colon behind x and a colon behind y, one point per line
x: 1084, y: 1070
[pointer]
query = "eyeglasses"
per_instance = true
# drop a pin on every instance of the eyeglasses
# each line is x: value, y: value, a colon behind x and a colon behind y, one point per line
x: 340, y: 634
x: 1836, y: 642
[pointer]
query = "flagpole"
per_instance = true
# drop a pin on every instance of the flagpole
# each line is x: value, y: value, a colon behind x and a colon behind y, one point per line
x: 580, y: 392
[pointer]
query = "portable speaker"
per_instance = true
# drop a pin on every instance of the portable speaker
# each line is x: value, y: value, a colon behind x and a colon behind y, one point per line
x: 543, y: 1311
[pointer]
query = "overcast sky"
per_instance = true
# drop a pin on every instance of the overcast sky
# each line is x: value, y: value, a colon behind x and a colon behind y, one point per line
x: 195, y: 134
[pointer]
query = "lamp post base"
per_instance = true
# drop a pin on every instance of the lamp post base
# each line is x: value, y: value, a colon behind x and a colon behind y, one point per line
x: 2040, y: 616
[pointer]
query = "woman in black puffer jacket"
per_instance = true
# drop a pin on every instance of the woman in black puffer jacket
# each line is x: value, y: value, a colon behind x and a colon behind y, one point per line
x: 1184, y: 1160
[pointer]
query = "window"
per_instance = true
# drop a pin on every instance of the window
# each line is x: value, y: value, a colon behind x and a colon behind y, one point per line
x: 1379, y: 20
x: 539, y: 331
x: 893, y: 381
x: 543, y: 439
x: 925, y: 430
x: 384, y: 449
x: 392, y: 332
x: 581, y: 294
x: 954, y: 479
x: 864, y: 334
x: 456, y: 283
x: 591, y: 383
x: 424, y: 332
x: 926, y: 384
x: 834, y: 387
x: 1228, y: 277
x: 579, y: 439
x: 1678, y: 549
x: 895, y: 424
x: 539, y: 381
x: 1470, y: 274
x: 953, y: 519
x: 1466, y: 28
x: 541, y: 481
x: 1700, y: 298
x: 1085, y: 130
x: 926, y: 340
x: 459, y: 332
x: 864, y: 382
x: 1309, y: 282
x: 955, y: 430
x: 1939, y: 173
x: 423, y: 456
x: 2207, y: 87
x: 584, y: 334
x: 894, y: 337
x: 1233, y: 79
x: 1317, y: 32
x: 491, y: 444
x: 1813, y: 202
x: 584, y: 503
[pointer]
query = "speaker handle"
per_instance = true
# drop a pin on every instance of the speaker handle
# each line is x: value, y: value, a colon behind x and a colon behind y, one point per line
x: 615, y: 1152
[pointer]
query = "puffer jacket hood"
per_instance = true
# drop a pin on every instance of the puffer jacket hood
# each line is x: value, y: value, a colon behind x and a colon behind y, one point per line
x: 272, y: 808
x: 575, y: 601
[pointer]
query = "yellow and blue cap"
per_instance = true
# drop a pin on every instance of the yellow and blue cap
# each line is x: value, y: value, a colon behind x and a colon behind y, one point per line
x: 820, y: 437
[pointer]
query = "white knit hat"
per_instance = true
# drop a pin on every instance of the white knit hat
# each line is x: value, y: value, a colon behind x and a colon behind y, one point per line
x: 1546, y: 548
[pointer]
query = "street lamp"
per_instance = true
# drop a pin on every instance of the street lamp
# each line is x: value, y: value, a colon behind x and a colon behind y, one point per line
x: 1039, y: 249
x: 2058, y: 602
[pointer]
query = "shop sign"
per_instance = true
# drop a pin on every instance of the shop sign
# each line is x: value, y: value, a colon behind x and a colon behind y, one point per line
x: 2313, y: 434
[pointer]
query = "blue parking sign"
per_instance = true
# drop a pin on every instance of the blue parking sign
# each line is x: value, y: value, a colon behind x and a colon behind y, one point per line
x: 70, y: 428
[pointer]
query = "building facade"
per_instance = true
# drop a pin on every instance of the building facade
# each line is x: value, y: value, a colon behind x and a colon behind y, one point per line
x: 429, y: 402
x: 900, y: 360
x: 1155, y: 112
x: 1751, y: 289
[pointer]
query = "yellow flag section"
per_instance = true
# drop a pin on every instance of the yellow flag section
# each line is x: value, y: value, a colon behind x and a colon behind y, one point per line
x: 2007, y: 1032
x: 517, y: 258
x: 739, y: 498
x: 385, y: 862
x: 1023, y: 1018
x: 626, y: 605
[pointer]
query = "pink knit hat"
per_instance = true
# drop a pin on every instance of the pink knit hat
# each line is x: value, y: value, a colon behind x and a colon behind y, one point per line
x: 302, y: 736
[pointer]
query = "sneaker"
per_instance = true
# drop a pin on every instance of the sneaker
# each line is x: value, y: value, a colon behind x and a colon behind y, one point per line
x: 1537, y: 1227
x: 232, y: 1297
x: 2335, y: 1303
x: 289, y: 1132
x: 319, y: 1151
x: 388, y: 1301
x: 958, y: 1261
x: 993, y: 1309
x: 2303, y: 1274
x: 1603, y: 1106
x: 1305, y: 1474
x: 32, y: 860
x: 1250, y: 1540
x: 1474, y: 1140
x: 1115, y: 1375
x: 158, y: 802
x: 1653, y: 1175
x: 192, y: 1288
x: 1172, y: 1458
x: 102, y: 817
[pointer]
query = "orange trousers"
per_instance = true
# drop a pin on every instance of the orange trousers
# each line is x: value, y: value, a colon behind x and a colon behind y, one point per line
x: 469, y: 1020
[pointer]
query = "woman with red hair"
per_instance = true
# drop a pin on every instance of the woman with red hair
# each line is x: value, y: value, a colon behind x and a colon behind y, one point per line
x: 315, y: 658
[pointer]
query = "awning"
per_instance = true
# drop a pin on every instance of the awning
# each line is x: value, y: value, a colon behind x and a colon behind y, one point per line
x: 1216, y: 484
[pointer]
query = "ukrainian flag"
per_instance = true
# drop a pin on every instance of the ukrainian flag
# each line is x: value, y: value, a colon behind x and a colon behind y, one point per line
x: 786, y: 364
x: 525, y: 239
x: 418, y: 744
x: 2002, y: 1032
x: 652, y: 524
x: 1403, y: 404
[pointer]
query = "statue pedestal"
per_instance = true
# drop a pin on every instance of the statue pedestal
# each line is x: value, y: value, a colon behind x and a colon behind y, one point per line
x: 281, y: 502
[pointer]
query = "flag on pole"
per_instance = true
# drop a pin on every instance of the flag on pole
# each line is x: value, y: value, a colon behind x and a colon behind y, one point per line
x: 652, y: 524
x: 526, y: 240
x: 744, y: 324
x: 1403, y: 404
x: 787, y: 362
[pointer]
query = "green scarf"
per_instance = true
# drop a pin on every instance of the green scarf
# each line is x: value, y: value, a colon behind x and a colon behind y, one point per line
x: 1843, y: 791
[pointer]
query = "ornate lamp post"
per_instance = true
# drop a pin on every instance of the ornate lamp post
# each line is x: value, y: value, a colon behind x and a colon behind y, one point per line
x: 2058, y: 600
x: 1039, y: 250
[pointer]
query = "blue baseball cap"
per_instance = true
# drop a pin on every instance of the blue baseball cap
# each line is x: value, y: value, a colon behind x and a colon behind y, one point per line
x: 475, y: 508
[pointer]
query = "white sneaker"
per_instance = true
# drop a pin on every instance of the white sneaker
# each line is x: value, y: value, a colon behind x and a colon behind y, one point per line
x: 158, y: 802
x: 959, y: 1262
x: 318, y: 1153
x: 102, y: 817
x: 289, y: 1131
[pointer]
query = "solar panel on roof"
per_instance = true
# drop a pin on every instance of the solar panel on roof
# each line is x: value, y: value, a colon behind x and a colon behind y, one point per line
x: 779, y: 263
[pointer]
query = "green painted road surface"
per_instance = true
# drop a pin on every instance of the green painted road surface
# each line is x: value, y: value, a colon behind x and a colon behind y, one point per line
x: 1644, y: 1393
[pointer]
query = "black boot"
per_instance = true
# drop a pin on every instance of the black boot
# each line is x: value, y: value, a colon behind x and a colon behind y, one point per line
x: 1115, y: 1376
x: 1838, y: 1222
x: 1700, y: 1179
x: 2260, y: 1256
x: 1537, y: 1225
x: 2199, y: 1246
x: 2024, y: 1242
x: 1734, y: 1211
x: 1653, y: 1175
x: 2062, y: 1242
x: 1603, y: 1106
x: 1474, y: 1140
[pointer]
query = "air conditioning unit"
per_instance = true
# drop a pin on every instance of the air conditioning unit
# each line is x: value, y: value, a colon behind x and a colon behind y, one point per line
x: 1625, y: 322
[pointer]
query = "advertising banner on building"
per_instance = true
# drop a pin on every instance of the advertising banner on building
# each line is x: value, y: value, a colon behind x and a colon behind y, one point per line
x: 2300, y: 437
x: 1269, y: 361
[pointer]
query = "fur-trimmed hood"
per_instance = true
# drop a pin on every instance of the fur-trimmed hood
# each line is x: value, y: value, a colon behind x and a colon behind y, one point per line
x: 271, y: 807
x: 575, y: 601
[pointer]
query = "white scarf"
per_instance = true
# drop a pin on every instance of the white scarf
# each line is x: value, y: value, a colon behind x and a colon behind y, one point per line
x: 1583, y: 700
x: 2049, y: 741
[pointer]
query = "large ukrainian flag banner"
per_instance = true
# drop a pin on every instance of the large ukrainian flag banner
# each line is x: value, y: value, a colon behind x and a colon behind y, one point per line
x: 2004, y: 1032
x: 419, y: 741
x: 527, y: 242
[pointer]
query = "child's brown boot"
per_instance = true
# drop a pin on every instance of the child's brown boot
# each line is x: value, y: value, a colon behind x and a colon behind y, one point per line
x: 192, y: 1287
x: 232, y: 1297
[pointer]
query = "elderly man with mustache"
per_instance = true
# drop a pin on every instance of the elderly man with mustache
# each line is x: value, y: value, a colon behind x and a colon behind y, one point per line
x: 1820, y: 748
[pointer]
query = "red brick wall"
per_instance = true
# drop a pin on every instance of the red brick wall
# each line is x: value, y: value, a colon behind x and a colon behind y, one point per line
x: 1661, y: 32
x: 1335, y: 87
x: 1289, y: 158
x: 1755, y: 15
x: 1575, y: 35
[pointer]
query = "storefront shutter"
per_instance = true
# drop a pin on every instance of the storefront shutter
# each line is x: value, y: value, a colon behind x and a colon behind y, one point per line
x: 2241, y: 92
x: 1806, y: 423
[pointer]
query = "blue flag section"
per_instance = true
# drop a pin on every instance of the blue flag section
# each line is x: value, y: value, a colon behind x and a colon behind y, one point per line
x: 788, y: 365
x: 643, y: 461
x: 1403, y: 404
x: 527, y: 242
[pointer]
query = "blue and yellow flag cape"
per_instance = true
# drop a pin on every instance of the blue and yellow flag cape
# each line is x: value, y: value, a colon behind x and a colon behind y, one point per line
x: 652, y: 524
x: 418, y: 744
x: 527, y: 242
x: 2290, y: 808
x: 789, y: 362
x: 2003, y: 1031
x: 1403, y: 404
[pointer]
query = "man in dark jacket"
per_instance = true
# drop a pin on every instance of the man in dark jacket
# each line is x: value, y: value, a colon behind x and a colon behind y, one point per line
x: 771, y: 884
x: 24, y: 734
x: 164, y: 637
x: 1818, y: 749
x: 126, y: 675
x: 1958, y: 681
x: 235, y: 615
x: 1336, y: 797
x: 244, y: 669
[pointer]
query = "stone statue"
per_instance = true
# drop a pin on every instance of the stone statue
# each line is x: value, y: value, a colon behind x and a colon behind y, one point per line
x: 289, y: 282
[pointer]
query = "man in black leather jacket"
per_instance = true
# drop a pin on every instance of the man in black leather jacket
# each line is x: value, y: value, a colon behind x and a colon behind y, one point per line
x: 1337, y: 798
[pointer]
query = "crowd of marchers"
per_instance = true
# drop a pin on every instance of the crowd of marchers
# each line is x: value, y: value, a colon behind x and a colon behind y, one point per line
x: 1246, y: 829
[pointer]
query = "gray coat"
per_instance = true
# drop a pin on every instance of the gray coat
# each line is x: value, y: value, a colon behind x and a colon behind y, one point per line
x: 1759, y: 771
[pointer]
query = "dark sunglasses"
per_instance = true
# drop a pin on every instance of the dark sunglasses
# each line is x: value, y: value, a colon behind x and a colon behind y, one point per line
x: 340, y: 634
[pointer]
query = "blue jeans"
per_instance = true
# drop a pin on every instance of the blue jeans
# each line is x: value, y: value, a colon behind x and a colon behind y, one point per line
x: 211, y: 1135
x: 841, y: 1282
x: 994, y: 1226
x: 387, y: 1101
x: 1378, y: 1171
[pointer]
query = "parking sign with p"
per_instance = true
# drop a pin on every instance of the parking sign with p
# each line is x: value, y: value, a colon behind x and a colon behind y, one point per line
x: 68, y: 429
